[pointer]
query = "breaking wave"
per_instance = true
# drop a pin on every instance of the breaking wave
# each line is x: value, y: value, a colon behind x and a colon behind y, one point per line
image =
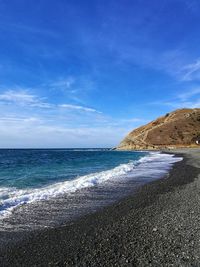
x: 152, y: 166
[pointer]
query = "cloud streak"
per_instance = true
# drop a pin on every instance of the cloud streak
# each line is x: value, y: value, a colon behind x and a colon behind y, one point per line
x: 80, y: 108
x: 18, y: 136
x: 59, y: 125
x: 190, y: 93
x: 191, y: 71
x: 187, y: 99
x: 24, y: 98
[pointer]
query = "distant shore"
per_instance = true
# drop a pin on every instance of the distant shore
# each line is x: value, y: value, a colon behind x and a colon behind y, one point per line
x: 158, y: 226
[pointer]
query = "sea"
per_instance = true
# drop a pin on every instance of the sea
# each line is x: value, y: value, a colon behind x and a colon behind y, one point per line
x: 43, y: 188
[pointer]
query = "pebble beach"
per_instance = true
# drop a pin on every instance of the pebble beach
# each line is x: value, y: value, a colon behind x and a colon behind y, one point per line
x: 157, y: 226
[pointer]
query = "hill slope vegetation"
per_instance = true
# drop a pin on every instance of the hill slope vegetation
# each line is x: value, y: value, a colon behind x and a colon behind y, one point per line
x: 180, y: 128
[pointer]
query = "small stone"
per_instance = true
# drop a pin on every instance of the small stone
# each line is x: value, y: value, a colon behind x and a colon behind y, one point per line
x: 155, y: 229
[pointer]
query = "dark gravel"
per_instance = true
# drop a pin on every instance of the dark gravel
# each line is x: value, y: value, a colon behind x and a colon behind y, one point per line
x: 158, y: 226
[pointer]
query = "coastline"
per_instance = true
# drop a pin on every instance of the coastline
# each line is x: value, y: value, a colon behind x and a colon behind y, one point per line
x: 157, y: 226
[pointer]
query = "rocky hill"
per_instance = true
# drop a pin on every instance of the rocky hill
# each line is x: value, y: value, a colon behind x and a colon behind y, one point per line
x: 180, y: 128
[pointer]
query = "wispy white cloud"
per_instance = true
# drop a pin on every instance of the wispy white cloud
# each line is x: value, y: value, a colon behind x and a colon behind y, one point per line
x: 20, y: 96
x: 81, y: 108
x: 61, y: 125
x: 18, y: 135
x: 30, y: 120
x: 191, y: 71
x: 177, y: 62
x: 75, y: 88
x: 182, y: 104
x: 63, y: 84
x: 187, y: 99
x: 29, y: 131
x: 20, y: 119
x: 23, y: 97
x: 188, y: 94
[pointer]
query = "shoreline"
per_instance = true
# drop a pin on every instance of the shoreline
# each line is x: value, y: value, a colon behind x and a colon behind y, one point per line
x: 149, y: 228
x: 84, y: 195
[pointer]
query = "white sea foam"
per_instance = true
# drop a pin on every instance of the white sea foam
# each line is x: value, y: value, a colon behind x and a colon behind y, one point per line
x: 152, y: 166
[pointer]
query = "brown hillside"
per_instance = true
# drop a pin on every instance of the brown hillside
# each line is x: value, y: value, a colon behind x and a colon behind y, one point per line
x: 180, y: 128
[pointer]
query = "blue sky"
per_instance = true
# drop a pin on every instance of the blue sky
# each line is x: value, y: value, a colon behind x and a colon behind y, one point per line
x: 85, y: 73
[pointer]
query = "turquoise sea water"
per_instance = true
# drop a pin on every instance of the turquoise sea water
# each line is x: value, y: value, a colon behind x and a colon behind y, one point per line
x: 40, y: 186
x: 31, y: 168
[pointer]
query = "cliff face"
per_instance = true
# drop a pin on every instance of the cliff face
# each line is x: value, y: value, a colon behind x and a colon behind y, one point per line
x: 180, y: 128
